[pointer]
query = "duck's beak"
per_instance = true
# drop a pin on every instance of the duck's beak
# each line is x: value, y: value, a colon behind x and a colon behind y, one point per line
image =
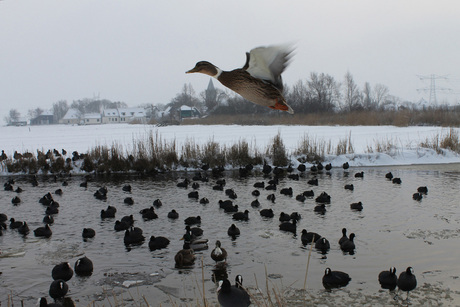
x: 191, y: 70
x: 219, y: 286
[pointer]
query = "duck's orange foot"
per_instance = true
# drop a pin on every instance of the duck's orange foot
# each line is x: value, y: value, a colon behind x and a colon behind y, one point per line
x: 279, y: 106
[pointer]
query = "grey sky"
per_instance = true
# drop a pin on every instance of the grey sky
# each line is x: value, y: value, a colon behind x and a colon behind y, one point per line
x: 138, y: 51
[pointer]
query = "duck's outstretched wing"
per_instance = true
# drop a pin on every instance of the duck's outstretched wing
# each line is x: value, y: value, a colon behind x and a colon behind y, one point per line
x: 268, y: 63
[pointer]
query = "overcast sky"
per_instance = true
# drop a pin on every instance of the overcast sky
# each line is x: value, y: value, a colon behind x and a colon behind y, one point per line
x: 138, y: 51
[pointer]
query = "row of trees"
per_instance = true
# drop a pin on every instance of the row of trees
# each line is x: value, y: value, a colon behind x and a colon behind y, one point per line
x: 60, y: 108
x: 319, y: 93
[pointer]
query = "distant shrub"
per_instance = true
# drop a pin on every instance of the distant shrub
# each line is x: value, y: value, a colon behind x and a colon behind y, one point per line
x: 57, y: 165
x: 344, y: 146
x: 190, y: 154
x: 212, y: 154
x: 277, y: 151
x: 239, y: 154
x: 88, y: 165
x: 450, y: 141
x: 310, y: 150
x: 116, y: 162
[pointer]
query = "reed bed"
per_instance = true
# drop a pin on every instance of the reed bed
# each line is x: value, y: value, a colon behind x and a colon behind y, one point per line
x: 154, y: 154
x: 402, y: 118
x: 441, y: 142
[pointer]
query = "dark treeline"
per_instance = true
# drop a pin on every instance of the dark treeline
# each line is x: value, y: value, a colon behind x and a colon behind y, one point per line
x: 320, y: 93
x: 318, y: 100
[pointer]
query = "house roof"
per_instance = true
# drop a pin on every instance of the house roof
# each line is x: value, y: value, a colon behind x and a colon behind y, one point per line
x: 47, y: 113
x: 72, y: 114
x: 134, y: 112
x: 187, y: 108
x: 111, y: 112
x: 92, y: 116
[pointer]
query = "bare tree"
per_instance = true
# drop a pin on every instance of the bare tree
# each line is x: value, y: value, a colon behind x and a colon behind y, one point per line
x: 391, y: 102
x: 352, y: 97
x: 60, y: 108
x: 381, y: 94
x: 325, y: 92
x: 368, y: 101
x: 213, y: 100
x: 186, y: 97
x: 33, y: 113
x: 89, y: 105
x: 13, y: 116
x: 80, y: 105
x: 299, y: 97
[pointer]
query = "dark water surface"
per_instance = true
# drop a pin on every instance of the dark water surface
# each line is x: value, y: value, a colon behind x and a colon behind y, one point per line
x: 392, y: 230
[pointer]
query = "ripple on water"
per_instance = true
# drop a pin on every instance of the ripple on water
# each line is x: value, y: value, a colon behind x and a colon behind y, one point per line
x: 393, y: 230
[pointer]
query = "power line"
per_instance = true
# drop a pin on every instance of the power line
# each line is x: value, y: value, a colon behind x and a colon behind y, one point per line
x: 433, y: 89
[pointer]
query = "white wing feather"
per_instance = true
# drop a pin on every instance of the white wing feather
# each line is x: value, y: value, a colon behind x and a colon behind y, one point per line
x: 267, y: 63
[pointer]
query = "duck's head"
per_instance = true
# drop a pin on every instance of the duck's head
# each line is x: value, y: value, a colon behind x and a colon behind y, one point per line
x: 239, y: 281
x: 187, y: 238
x: 224, y: 285
x: 410, y: 271
x: 205, y: 68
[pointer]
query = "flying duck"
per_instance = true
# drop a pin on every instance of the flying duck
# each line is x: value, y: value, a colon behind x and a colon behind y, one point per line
x: 259, y: 80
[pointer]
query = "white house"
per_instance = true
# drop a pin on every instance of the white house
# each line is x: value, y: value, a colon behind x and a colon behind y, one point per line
x: 124, y: 115
x: 72, y: 117
x: 91, y: 119
x: 110, y: 116
x: 132, y: 114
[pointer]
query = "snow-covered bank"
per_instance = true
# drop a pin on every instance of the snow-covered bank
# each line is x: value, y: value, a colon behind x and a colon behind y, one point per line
x: 407, y: 140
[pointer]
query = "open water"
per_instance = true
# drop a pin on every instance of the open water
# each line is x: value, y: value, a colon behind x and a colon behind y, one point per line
x: 391, y: 230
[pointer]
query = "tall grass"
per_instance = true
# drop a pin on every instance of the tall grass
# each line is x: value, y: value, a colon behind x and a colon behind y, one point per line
x: 344, y: 146
x: 213, y: 154
x: 312, y: 149
x: 241, y: 154
x: 277, y: 151
x: 154, y: 154
x: 439, y: 142
x: 387, y: 145
x: 400, y: 118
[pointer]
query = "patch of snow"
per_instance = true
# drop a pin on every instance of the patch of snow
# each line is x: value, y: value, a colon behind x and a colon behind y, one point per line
x: 129, y: 283
x: 406, y: 140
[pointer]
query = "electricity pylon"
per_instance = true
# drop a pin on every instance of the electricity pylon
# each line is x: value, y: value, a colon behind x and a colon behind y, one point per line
x: 433, y: 89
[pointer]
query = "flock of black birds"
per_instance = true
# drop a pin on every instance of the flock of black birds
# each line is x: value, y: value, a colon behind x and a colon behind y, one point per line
x: 231, y: 295
x: 228, y: 295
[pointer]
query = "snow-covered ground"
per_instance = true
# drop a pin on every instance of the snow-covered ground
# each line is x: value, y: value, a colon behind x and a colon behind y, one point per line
x: 83, y: 138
